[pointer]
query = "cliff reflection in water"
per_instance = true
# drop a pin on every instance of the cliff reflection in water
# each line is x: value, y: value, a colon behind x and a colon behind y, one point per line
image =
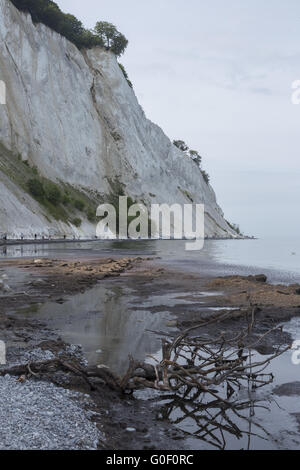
x: 104, y: 323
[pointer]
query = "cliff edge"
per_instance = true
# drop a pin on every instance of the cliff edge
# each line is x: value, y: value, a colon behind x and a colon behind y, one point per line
x: 71, y: 118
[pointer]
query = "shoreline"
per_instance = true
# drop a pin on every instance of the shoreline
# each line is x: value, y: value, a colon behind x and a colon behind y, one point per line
x: 87, y: 240
x: 45, y: 241
x: 56, y: 281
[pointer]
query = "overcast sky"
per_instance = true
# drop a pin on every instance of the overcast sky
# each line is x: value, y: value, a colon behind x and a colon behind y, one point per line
x: 218, y: 74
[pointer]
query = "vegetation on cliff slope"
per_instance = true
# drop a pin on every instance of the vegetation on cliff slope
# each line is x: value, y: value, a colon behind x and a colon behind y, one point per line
x: 194, y: 155
x: 58, y: 200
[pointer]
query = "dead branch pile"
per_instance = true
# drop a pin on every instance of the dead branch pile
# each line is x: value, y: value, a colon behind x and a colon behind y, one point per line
x: 187, y: 362
x: 194, y: 362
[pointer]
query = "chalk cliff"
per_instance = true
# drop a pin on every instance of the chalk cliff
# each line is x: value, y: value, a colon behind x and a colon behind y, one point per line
x: 74, y: 119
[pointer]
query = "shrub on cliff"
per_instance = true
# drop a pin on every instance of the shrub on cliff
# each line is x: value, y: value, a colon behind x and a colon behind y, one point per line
x: 66, y: 199
x: 205, y: 176
x: 194, y: 155
x: 91, y: 215
x: 181, y: 145
x: 125, y: 75
x: 79, y: 205
x: 53, y: 194
x: 36, y: 188
x: 77, y: 222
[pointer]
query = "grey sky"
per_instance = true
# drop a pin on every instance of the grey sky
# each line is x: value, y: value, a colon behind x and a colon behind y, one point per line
x: 218, y: 75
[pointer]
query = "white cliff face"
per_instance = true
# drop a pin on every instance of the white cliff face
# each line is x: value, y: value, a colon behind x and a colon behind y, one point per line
x: 74, y: 117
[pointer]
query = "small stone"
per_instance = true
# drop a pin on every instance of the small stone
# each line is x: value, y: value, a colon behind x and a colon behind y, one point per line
x: 172, y: 323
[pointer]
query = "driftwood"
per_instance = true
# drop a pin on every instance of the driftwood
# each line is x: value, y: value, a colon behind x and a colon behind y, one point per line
x: 39, y: 369
x: 187, y: 362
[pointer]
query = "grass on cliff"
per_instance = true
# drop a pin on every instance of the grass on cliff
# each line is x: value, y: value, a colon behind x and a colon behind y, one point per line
x: 60, y: 201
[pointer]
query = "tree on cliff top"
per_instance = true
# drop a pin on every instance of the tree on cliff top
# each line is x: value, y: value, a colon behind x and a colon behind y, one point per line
x: 112, y: 39
x: 49, y: 13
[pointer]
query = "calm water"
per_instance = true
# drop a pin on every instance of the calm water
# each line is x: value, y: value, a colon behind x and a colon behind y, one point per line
x: 279, y: 258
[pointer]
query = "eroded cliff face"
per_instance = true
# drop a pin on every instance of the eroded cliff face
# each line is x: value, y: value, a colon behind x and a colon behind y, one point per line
x: 73, y: 116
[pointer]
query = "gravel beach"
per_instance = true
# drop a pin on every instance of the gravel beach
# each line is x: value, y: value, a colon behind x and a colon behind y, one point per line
x: 35, y: 415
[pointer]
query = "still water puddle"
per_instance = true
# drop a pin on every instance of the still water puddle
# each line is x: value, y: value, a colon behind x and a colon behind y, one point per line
x: 106, y: 326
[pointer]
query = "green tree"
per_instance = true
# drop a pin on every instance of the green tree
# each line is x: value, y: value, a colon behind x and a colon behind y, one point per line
x: 51, y: 16
x: 112, y: 39
x: 49, y: 13
x: 119, y: 45
x: 88, y: 39
x: 71, y: 27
